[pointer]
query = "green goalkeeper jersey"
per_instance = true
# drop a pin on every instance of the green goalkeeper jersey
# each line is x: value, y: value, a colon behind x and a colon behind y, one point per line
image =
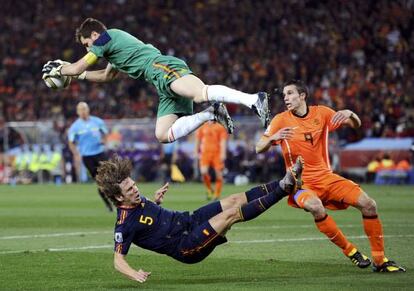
x: 126, y: 53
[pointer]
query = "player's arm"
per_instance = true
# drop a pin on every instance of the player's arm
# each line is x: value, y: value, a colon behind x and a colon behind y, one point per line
x: 73, y: 149
x: 104, y: 131
x: 76, y: 158
x: 197, y: 147
x: 265, y: 142
x: 159, y: 194
x: 345, y: 117
x: 122, y: 266
x: 104, y: 75
x: 77, y: 68
x: 223, y: 149
x: 104, y: 139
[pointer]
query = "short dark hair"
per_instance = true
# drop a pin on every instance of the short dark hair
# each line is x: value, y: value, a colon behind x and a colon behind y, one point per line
x: 300, y: 86
x: 110, y: 174
x: 87, y: 27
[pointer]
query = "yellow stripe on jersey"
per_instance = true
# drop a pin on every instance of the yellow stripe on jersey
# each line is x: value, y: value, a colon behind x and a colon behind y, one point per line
x: 167, y: 70
x: 90, y: 58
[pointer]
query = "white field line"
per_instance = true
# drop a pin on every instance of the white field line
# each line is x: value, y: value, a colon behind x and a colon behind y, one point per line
x: 281, y: 240
x: 312, y: 225
x: 58, y: 249
x: 80, y: 233
x: 46, y: 235
x: 313, y: 239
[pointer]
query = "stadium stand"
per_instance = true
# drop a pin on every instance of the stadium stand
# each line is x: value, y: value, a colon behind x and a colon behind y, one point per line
x: 365, y: 65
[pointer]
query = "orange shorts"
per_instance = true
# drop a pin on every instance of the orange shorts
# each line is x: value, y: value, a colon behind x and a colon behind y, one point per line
x: 212, y: 160
x: 334, y: 191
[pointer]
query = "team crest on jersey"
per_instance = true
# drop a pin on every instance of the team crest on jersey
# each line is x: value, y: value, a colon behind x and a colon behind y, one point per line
x: 316, y: 121
x: 118, y: 237
x: 308, y: 137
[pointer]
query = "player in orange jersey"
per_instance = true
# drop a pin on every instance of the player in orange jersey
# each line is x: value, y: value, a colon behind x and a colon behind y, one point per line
x: 303, y: 130
x: 210, y: 148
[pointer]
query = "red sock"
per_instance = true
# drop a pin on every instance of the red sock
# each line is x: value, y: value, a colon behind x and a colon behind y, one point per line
x: 207, y: 181
x: 328, y: 227
x: 373, y: 229
x: 219, y: 186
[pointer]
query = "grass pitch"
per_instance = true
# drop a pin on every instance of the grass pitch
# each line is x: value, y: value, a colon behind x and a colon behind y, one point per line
x: 60, y: 238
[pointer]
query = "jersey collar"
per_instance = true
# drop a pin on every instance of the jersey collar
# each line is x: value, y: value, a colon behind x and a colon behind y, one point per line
x: 302, y: 116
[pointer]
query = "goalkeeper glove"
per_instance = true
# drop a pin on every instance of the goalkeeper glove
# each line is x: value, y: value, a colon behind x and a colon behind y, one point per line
x: 52, y: 68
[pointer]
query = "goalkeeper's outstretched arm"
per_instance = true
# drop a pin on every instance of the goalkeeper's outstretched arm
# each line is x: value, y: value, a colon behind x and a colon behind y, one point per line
x: 105, y: 75
x: 74, y: 69
x: 79, y: 68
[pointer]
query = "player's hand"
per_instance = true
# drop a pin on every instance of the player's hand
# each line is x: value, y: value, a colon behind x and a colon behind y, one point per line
x: 283, y: 133
x: 52, y: 68
x: 81, y: 76
x: 159, y: 194
x: 141, y: 276
x: 340, y: 117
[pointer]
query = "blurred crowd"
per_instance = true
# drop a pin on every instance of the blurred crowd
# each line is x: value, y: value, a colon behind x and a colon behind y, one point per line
x: 353, y: 54
x: 384, y: 170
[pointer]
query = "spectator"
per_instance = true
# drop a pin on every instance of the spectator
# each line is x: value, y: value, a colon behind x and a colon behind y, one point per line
x: 386, y: 162
x: 358, y: 54
x: 373, y: 168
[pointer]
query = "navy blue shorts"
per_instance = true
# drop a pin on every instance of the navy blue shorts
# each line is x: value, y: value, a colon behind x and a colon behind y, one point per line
x: 202, y: 238
x: 206, y: 212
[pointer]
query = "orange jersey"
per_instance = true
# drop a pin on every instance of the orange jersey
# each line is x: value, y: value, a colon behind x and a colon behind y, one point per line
x: 210, y: 135
x: 310, y: 140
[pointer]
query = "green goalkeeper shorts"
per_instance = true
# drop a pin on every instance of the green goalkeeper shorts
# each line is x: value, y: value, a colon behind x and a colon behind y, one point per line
x: 165, y: 70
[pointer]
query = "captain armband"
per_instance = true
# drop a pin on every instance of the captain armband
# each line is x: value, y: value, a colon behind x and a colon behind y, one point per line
x: 90, y: 58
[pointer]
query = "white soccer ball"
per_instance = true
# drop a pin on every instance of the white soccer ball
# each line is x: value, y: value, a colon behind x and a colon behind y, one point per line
x: 57, y: 82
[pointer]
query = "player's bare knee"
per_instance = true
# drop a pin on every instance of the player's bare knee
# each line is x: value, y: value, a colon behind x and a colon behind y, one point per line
x: 232, y: 215
x: 236, y: 200
x: 315, y: 207
x: 200, y: 95
x: 369, y: 207
x: 203, y: 171
x: 161, y: 136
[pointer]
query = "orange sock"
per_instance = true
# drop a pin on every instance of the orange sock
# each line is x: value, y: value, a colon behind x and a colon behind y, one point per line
x: 328, y: 227
x: 373, y: 229
x: 219, y: 186
x: 207, y: 181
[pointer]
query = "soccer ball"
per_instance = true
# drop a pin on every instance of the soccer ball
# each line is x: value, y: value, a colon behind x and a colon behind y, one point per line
x: 57, y: 82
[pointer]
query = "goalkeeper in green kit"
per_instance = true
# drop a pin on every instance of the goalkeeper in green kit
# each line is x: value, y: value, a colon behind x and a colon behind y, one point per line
x: 176, y: 84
